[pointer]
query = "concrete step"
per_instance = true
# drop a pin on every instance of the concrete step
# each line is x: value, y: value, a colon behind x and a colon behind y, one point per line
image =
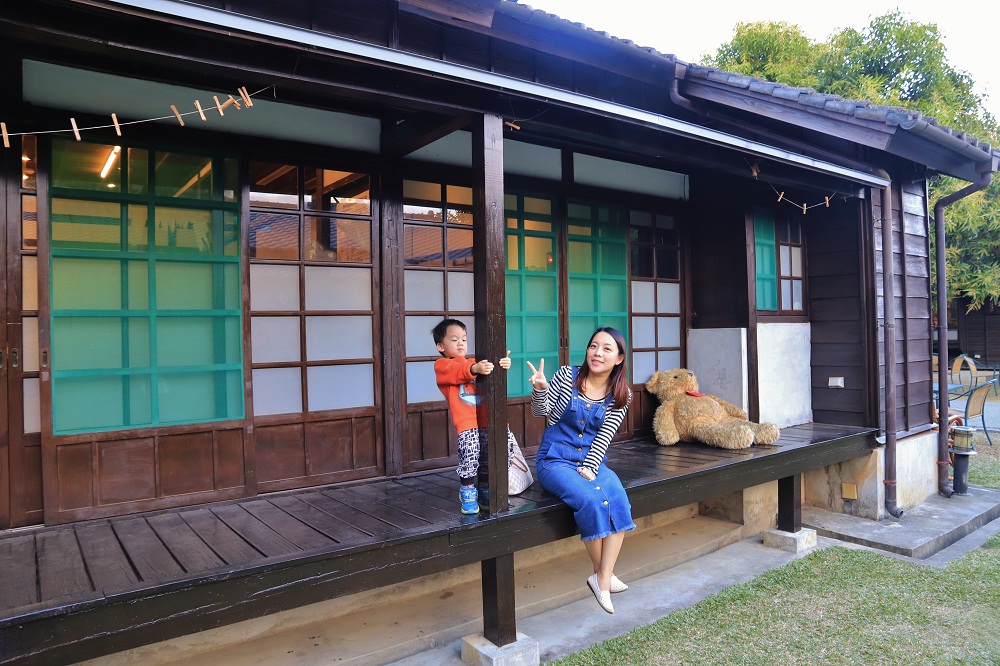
x: 920, y: 532
x: 389, y: 630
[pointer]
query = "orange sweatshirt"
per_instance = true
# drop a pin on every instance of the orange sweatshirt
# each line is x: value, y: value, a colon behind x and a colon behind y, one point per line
x: 458, y: 384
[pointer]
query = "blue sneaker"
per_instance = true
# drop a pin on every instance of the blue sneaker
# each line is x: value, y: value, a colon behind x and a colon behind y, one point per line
x: 470, y: 500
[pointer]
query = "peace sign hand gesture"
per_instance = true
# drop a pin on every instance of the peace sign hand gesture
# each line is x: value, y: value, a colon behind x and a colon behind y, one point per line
x: 537, y: 378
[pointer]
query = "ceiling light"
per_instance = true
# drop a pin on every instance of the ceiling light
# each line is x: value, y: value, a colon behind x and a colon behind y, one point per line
x: 111, y: 160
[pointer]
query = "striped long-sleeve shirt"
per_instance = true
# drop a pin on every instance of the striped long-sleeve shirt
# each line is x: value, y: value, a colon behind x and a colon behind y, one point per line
x: 552, y: 402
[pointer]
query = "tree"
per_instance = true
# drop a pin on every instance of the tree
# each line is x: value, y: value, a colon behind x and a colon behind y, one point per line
x: 894, y: 62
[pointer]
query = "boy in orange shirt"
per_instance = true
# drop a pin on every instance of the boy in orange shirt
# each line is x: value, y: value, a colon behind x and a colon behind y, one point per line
x: 456, y: 377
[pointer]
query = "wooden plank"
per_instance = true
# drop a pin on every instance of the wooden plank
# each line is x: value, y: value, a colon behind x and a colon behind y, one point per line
x: 187, y: 547
x: 61, y: 572
x: 252, y: 530
x: 291, y: 528
x: 378, y: 502
x: 20, y: 573
x: 151, y: 559
x: 107, y: 563
x: 357, y: 519
x: 321, y: 521
x: 226, y: 543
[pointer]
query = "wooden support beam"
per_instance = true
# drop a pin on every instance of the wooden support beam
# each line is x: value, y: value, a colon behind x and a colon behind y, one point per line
x: 392, y: 319
x: 790, y: 503
x: 403, y: 137
x: 488, y: 244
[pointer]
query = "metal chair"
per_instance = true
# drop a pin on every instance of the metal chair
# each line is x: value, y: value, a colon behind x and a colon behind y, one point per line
x: 975, y: 406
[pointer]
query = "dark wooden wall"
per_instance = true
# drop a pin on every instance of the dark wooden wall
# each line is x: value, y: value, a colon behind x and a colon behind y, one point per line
x: 978, y: 332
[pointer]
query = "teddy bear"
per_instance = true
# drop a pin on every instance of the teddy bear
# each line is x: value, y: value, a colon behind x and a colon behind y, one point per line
x: 685, y: 414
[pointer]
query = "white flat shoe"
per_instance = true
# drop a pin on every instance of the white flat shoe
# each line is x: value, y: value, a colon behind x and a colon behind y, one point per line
x: 603, y: 598
x: 617, y: 585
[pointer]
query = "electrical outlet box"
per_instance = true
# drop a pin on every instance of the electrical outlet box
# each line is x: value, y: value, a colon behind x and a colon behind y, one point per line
x: 836, y: 382
x: 849, y: 491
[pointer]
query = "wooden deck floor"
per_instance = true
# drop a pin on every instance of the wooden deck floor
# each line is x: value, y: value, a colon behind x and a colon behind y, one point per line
x: 184, y: 570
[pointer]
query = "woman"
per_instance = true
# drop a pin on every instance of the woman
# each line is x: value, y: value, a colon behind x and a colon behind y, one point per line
x: 584, y: 407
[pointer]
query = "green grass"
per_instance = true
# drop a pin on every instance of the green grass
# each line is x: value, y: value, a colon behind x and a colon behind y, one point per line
x: 836, y: 606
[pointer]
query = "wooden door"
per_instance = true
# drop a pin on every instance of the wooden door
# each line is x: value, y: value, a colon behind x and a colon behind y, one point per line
x: 20, y: 437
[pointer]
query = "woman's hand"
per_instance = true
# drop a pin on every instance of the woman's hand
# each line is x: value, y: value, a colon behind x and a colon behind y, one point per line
x: 481, y: 368
x: 505, y: 361
x: 586, y: 473
x: 537, y: 378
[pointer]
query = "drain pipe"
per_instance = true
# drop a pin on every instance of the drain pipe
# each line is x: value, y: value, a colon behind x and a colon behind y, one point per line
x: 889, y: 346
x: 944, y: 486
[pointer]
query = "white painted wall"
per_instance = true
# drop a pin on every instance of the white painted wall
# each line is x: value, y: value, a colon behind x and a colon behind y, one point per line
x: 718, y: 357
x: 784, y: 375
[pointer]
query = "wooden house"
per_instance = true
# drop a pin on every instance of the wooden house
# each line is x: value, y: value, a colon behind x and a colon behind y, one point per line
x: 229, y: 226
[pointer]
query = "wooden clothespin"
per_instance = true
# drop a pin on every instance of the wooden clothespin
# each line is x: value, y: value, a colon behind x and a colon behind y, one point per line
x: 827, y: 201
x: 6, y: 139
x: 218, y: 105
x: 232, y: 100
x: 803, y: 209
x: 754, y: 170
x: 511, y: 125
x: 118, y: 129
x: 246, y: 96
x: 76, y: 132
x: 781, y: 196
x: 177, y: 115
x: 197, y: 105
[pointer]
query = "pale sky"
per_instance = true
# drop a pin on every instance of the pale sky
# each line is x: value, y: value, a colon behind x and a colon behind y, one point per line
x: 690, y: 30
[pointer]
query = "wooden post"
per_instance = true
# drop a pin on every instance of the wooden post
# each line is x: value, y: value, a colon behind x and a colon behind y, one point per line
x: 488, y: 242
x: 790, y: 503
x: 392, y: 318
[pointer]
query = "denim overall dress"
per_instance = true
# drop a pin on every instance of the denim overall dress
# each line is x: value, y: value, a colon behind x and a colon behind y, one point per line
x: 600, y: 507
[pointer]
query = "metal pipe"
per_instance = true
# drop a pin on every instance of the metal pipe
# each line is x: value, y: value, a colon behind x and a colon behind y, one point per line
x: 944, y: 486
x: 889, y: 347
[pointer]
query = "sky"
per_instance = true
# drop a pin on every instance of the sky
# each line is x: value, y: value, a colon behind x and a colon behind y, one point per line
x: 690, y: 30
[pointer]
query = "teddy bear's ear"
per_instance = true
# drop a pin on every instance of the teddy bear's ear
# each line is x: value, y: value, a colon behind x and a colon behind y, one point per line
x: 653, y: 385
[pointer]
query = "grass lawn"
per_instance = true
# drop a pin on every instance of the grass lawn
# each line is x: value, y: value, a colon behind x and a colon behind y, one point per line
x: 837, y: 606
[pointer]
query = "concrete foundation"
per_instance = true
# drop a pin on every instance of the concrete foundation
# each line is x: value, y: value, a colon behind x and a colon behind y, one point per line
x: 791, y: 542
x: 478, y: 651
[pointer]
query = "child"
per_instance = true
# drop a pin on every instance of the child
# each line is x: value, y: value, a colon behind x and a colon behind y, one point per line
x: 456, y: 377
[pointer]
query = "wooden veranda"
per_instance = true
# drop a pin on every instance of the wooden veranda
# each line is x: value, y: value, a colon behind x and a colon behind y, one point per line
x: 78, y: 591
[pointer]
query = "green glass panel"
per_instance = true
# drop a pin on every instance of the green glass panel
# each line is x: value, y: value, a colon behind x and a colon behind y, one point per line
x: 86, y: 284
x: 140, y: 402
x: 540, y: 293
x: 539, y: 254
x: 581, y: 327
x: 78, y: 165
x: 198, y: 396
x: 138, y: 285
x: 87, y: 403
x: 184, y: 230
x: 183, y: 176
x: 138, y: 228
x: 86, y: 225
x: 583, y: 295
x: 138, y: 171
x: 766, y: 259
x: 513, y: 289
x: 613, y: 260
x: 579, y: 211
x: 197, y: 340
x: 613, y: 296
x: 230, y: 241
x: 515, y: 331
x: 541, y: 334
x: 95, y: 343
x: 513, y: 258
x: 581, y: 257
x: 185, y: 286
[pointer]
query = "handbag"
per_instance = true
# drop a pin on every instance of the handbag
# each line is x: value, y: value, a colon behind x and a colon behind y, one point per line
x: 518, y: 473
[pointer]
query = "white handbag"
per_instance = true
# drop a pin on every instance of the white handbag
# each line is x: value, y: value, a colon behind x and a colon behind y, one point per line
x: 518, y: 473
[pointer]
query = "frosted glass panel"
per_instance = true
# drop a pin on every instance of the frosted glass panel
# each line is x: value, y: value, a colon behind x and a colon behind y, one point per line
x: 643, y: 366
x: 277, y: 391
x: 32, y: 406
x: 460, y: 292
x: 29, y: 283
x: 424, y: 290
x: 643, y: 332
x: 341, y: 387
x: 77, y: 284
x: 191, y: 286
x: 420, y: 384
x: 337, y: 288
x: 338, y: 338
x: 669, y: 333
x: 668, y: 297
x: 197, y: 341
x: 274, y: 287
x: 29, y: 332
x: 274, y: 339
x: 643, y: 297
x: 668, y: 360
x: 419, y: 341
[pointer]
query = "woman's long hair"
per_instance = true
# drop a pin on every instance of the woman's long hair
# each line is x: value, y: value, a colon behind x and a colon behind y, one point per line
x: 618, y: 380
